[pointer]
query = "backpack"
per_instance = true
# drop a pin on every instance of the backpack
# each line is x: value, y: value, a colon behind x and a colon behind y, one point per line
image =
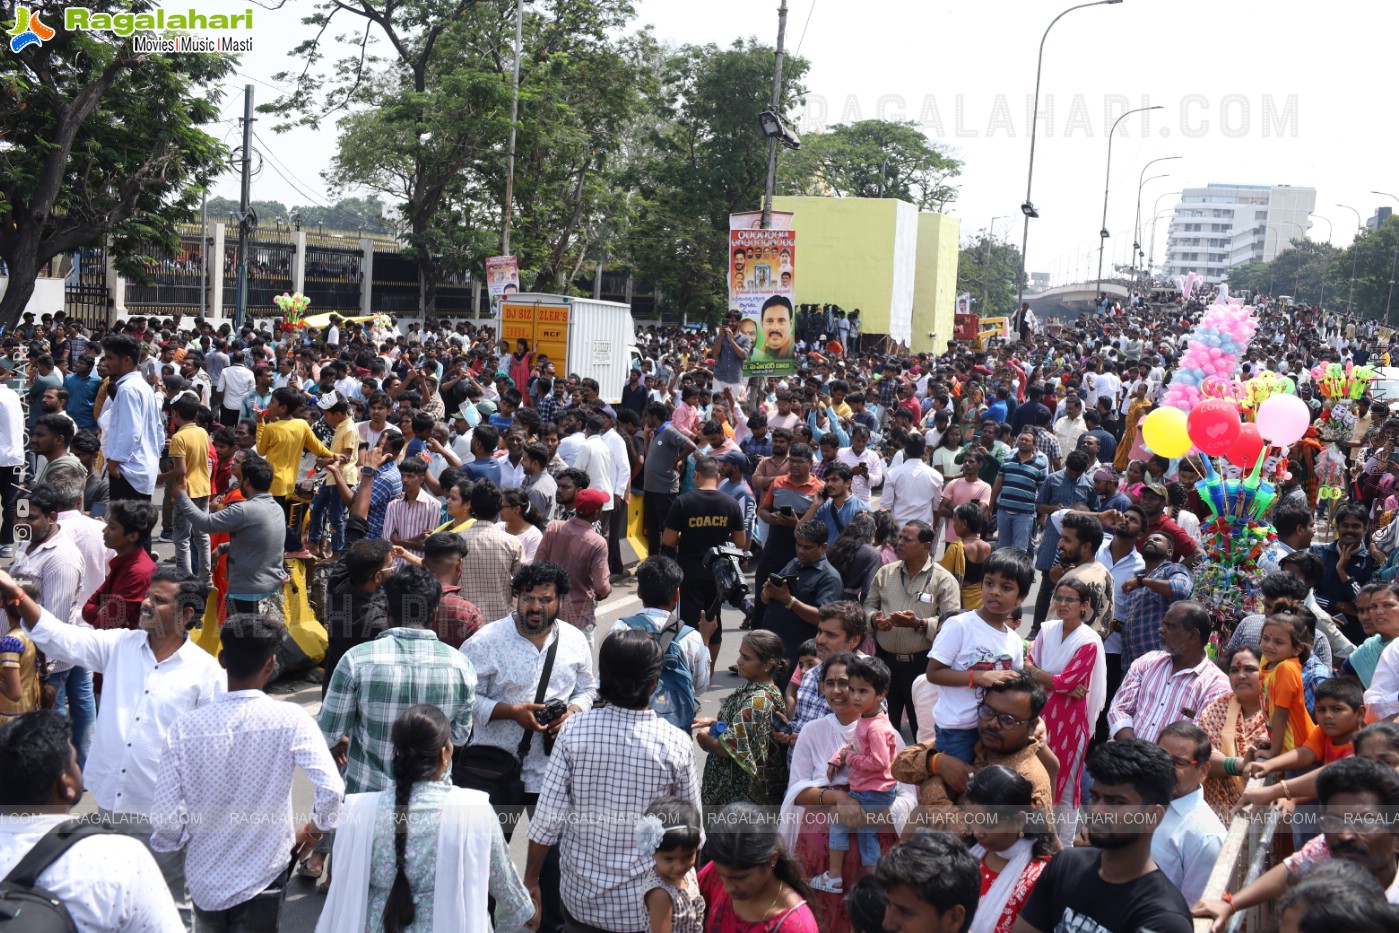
x: 674, y: 699
x: 24, y: 906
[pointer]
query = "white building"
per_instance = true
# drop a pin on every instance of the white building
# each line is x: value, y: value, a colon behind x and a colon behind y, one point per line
x: 1217, y: 227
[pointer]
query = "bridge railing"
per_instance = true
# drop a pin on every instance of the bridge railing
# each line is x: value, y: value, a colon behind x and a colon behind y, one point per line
x: 1247, y: 854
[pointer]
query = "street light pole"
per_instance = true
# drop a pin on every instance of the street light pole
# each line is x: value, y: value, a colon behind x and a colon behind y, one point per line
x: 1137, y: 223
x: 776, y: 104
x: 1156, y: 215
x: 1028, y: 208
x: 1107, y: 183
x: 1354, y: 256
x: 1393, y: 266
x: 1272, y: 263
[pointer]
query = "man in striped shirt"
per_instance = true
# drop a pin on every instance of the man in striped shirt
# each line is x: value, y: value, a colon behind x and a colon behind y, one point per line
x: 1013, y: 496
x: 1164, y: 686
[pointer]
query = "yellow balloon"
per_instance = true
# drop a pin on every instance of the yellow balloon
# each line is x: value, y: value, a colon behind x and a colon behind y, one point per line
x: 1165, y: 433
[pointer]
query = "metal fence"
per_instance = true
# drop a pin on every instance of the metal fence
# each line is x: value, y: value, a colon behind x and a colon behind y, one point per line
x: 1247, y: 854
x: 270, y: 258
x: 333, y: 274
x: 175, y: 280
x: 85, y: 289
x: 394, y: 289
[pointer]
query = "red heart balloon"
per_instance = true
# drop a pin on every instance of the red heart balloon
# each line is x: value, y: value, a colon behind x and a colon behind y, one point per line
x: 1214, y: 426
x: 1247, y: 448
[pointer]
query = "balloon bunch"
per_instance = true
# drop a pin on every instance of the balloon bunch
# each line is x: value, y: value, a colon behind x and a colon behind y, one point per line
x: 294, y: 307
x: 1187, y: 285
x: 1336, y: 382
x: 1250, y: 394
x: 1212, y: 351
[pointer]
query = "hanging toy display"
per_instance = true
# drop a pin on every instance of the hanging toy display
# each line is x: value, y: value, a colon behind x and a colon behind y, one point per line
x: 294, y: 307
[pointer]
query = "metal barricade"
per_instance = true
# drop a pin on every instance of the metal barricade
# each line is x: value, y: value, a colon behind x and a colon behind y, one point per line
x: 1246, y: 855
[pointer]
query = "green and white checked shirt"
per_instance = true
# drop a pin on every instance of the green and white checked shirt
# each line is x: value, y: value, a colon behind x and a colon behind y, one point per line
x: 376, y: 681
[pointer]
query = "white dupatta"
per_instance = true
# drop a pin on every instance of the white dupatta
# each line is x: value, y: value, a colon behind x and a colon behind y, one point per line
x: 993, y: 903
x: 1056, y: 652
x: 816, y: 743
x: 463, y: 865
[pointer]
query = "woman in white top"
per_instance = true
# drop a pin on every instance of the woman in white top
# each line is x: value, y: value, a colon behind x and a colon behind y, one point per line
x: 423, y: 856
x: 518, y: 517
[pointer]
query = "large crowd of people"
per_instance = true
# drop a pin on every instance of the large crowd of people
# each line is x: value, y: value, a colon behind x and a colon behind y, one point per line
x: 973, y: 689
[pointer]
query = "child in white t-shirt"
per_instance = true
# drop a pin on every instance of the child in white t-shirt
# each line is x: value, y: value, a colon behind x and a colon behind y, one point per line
x: 978, y: 649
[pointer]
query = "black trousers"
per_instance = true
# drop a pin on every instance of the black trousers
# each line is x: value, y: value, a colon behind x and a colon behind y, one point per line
x: 698, y: 593
x: 9, y: 494
x: 615, y: 530
x: 655, y: 508
x: 1042, y: 600
x: 903, y: 671
x: 1115, y: 675
x: 119, y: 489
x: 228, y: 417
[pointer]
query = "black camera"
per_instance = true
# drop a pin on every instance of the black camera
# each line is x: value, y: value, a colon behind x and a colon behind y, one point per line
x: 725, y: 564
x: 551, y: 713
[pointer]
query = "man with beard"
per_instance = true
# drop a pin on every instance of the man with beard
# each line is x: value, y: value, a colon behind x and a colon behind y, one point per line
x: 576, y: 545
x: 1358, y: 797
x: 1347, y: 566
x: 150, y: 676
x: 506, y: 655
x: 1154, y: 499
x: 1008, y: 715
x: 1112, y: 883
x: 1148, y: 595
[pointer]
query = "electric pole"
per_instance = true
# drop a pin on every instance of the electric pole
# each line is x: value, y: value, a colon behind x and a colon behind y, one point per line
x: 244, y: 210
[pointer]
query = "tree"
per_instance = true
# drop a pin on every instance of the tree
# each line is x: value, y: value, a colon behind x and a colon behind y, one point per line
x: 98, y: 140
x: 874, y: 159
x: 988, y: 269
x: 707, y: 159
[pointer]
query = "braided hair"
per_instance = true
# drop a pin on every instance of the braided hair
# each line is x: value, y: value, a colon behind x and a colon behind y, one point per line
x: 419, y: 735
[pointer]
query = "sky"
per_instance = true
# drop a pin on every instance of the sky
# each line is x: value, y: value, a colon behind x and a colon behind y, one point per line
x: 1249, y: 95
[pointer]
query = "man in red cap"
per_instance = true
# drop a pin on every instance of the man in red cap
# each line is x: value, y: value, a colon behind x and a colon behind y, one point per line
x: 574, y: 545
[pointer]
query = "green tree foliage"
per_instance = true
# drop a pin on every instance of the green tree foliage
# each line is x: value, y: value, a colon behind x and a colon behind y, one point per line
x: 873, y: 159
x: 989, y: 270
x: 366, y: 214
x: 1301, y: 271
x: 425, y: 93
x: 707, y: 159
x: 100, y: 141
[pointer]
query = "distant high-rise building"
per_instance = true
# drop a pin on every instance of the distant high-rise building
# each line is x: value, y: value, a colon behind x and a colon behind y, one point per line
x: 1217, y: 227
x: 1380, y: 216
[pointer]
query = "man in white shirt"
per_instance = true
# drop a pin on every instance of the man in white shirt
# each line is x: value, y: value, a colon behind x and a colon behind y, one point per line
x: 620, y: 488
x: 1069, y: 428
x: 913, y: 489
x: 85, y: 532
x: 105, y: 881
x: 866, y: 466
x: 595, y: 459
x: 235, y: 382
x: 133, y: 432
x: 572, y: 439
x: 12, y: 444
x: 237, y: 755
x: 150, y: 677
x: 1187, y: 841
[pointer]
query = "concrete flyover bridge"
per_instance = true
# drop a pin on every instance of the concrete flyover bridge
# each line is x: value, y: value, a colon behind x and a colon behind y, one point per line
x: 1069, y: 301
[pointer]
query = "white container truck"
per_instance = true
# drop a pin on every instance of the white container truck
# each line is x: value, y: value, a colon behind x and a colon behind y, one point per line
x: 591, y: 338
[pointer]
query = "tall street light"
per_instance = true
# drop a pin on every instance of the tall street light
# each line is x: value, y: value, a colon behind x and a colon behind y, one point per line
x: 1392, y: 266
x: 1107, y: 183
x: 1156, y: 215
x: 1354, y: 256
x: 1325, y: 259
x: 514, y: 121
x: 1272, y: 263
x: 1137, y: 221
x: 1028, y: 208
x: 774, y: 137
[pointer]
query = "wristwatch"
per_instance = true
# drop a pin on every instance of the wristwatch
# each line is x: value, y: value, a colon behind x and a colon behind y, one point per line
x: 1141, y: 579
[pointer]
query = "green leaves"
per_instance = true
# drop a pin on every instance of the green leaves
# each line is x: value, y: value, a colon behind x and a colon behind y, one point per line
x: 873, y: 159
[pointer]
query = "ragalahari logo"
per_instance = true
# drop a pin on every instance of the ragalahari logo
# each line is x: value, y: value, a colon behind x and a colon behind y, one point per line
x: 29, y: 30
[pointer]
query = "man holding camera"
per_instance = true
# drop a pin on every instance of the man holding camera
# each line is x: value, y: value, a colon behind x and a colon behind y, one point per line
x: 731, y: 348
x: 509, y: 656
x: 699, y: 520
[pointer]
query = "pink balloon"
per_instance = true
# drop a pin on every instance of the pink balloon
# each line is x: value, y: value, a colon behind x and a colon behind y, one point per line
x: 1283, y: 419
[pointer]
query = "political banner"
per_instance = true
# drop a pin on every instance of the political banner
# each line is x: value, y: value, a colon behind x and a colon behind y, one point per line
x: 502, y: 275
x: 964, y: 303
x: 762, y: 289
x: 753, y: 220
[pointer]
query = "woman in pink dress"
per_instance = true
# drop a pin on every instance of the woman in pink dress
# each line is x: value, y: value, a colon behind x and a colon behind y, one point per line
x: 752, y: 884
x: 1067, y: 659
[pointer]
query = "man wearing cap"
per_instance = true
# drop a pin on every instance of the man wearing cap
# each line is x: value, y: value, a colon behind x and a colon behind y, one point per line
x: 1105, y: 484
x: 575, y: 546
x: 1154, y: 498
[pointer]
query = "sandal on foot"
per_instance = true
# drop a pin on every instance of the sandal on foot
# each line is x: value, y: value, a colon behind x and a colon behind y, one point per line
x: 824, y: 882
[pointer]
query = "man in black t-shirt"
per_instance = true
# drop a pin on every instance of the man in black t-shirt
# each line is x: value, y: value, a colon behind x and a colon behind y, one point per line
x: 1113, y: 886
x: 698, y: 521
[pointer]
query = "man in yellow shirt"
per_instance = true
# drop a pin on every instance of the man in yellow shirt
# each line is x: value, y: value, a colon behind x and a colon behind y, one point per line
x: 326, y: 506
x: 189, y: 461
x: 281, y: 440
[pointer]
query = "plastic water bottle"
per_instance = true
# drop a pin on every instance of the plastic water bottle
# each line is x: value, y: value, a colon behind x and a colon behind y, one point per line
x: 718, y: 729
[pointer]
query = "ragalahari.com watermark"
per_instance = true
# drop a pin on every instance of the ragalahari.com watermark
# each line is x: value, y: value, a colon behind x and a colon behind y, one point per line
x: 159, y: 31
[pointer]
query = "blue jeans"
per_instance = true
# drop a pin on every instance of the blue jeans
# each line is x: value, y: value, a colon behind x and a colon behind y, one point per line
x: 192, y: 544
x: 1014, y: 529
x: 328, y: 508
x: 74, y: 697
x: 959, y: 743
x: 867, y: 837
